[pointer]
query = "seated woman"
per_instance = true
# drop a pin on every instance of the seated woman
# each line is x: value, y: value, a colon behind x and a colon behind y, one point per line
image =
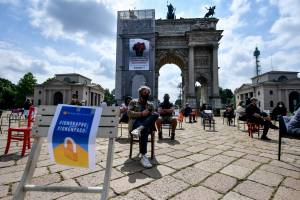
x: 229, y: 114
x: 241, y: 111
x: 123, y: 110
x: 279, y: 110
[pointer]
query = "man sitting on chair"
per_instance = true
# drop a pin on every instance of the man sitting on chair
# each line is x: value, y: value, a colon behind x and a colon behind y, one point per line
x: 142, y: 121
x: 254, y: 115
x: 166, y: 109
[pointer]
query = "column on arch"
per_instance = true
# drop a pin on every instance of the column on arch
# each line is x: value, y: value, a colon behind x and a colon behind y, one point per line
x: 191, y: 78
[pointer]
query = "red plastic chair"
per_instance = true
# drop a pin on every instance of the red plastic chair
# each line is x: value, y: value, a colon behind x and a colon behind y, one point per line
x: 253, y: 128
x: 25, y: 137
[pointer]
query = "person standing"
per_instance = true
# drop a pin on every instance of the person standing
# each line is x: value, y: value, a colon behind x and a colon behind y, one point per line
x: 26, y: 107
x: 142, y: 121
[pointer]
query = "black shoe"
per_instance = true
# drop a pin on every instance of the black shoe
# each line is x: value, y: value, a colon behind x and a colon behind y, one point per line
x: 173, y: 136
x: 273, y: 126
x: 190, y: 122
x: 160, y: 135
x: 265, y: 138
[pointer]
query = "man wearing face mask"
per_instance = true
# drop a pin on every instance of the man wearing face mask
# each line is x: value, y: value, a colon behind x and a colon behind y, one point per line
x: 166, y: 110
x: 142, y: 121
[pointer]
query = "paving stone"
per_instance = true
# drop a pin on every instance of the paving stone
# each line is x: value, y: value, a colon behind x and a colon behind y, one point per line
x: 180, y: 163
x: 164, y: 158
x: 196, y: 193
x: 192, y: 175
x: 281, y: 171
x: 132, y: 167
x: 97, y: 178
x: 268, y: 155
x: 58, y: 168
x: 132, y: 195
x: 158, y: 171
x: 284, y: 165
x: 129, y: 182
x: 15, y: 168
x: 246, y: 163
x: 284, y: 193
x: 198, y: 157
x: 196, y: 149
x: 3, y: 190
x: 254, y: 190
x: 212, y: 152
x: 85, y: 196
x: 6, y: 163
x: 257, y: 158
x: 10, y: 177
x: 40, y: 171
x: 179, y: 153
x: 234, y: 196
x: 223, y: 159
x: 42, y: 180
x: 50, y: 195
x: 233, y: 153
x: 164, y: 188
x: 210, y: 166
x: 291, y: 183
x: 266, y: 178
x: 223, y: 147
x: 76, y: 172
x: 220, y: 182
x: 236, y: 171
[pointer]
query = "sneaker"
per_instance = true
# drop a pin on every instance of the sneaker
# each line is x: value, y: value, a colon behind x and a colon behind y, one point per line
x: 136, y: 133
x: 145, y: 162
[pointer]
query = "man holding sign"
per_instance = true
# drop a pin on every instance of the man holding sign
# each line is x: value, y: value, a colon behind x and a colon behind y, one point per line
x: 72, y: 135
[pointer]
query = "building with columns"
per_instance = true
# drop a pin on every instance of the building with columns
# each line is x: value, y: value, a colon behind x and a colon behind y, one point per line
x: 191, y: 44
x: 65, y: 88
x: 270, y: 88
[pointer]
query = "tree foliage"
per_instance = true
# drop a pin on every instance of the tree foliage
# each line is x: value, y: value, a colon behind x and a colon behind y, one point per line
x: 109, y: 97
x: 226, y: 96
x: 7, y: 94
x: 25, y: 88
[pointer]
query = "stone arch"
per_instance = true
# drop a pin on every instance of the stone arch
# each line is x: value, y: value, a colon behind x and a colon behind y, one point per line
x: 205, y: 89
x: 57, y: 98
x: 177, y: 57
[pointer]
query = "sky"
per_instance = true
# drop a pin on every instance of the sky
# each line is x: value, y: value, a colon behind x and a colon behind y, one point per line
x: 48, y: 37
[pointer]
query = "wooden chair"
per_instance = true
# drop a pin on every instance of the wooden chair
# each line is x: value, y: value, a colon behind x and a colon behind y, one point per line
x: 25, y: 137
x: 253, y: 128
x: 134, y: 140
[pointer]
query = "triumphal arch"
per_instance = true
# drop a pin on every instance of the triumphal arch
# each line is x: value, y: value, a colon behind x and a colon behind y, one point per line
x: 145, y: 44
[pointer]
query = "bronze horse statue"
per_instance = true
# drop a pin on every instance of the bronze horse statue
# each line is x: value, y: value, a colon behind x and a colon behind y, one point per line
x: 211, y: 11
x: 171, y: 12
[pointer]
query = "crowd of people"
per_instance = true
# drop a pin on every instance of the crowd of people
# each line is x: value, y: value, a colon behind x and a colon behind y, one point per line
x: 143, y: 118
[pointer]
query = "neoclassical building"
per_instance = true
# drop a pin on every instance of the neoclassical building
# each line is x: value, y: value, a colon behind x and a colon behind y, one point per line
x: 64, y: 88
x: 270, y: 88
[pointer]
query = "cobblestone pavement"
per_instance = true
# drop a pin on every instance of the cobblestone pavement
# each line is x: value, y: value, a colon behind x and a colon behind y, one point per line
x: 199, y: 164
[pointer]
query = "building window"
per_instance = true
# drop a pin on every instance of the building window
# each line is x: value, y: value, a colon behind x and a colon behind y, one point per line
x: 271, y: 92
x: 251, y: 94
x: 40, y: 92
x: 258, y: 93
x: 258, y: 103
x: 271, y: 104
x: 39, y: 102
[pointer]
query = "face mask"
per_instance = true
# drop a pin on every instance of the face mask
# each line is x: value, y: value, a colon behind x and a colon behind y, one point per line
x: 145, y: 97
x: 280, y: 106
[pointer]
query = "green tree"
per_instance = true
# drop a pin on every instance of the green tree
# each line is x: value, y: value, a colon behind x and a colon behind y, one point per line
x: 25, y: 88
x: 109, y: 97
x: 226, y: 96
x: 7, y: 94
